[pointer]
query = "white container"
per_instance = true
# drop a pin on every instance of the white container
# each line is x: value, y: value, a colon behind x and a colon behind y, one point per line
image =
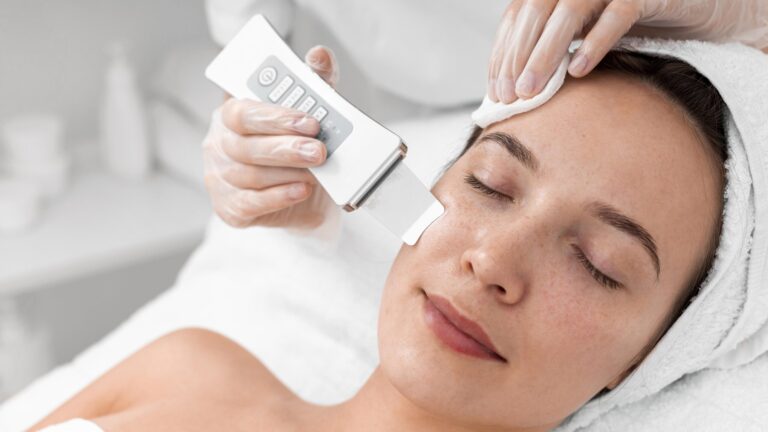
x: 33, y: 137
x: 20, y: 204
x: 51, y: 174
x: 124, y: 142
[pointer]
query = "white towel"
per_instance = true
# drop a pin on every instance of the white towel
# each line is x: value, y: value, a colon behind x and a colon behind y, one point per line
x: 725, y: 325
x: 74, y: 425
x: 244, y: 283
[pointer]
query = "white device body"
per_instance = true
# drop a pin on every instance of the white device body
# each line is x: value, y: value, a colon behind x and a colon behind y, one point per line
x: 366, y: 154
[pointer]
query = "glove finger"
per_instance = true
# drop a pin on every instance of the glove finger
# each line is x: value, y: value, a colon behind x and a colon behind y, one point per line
x: 499, y: 47
x: 244, y: 176
x: 249, y: 117
x: 244, y: 206
x: 566, y: 20
x: 613, y: 23
x: 220, y: 191
x: 528, y: 26
x: 275, y: 150
x: 323, y: 62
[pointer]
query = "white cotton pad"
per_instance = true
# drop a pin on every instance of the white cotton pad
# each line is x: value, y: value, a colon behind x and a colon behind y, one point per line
x: 491, y: 112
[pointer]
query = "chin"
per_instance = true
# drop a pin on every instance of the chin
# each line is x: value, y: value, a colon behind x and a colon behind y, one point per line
x: 431, y: 376
x: 437, y: 390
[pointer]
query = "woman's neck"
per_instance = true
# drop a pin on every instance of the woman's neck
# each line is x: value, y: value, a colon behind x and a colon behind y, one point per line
x: 380, y: 407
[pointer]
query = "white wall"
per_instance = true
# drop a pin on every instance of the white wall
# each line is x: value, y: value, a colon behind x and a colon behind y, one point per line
x: 52, y: 59
x: 52, y: 53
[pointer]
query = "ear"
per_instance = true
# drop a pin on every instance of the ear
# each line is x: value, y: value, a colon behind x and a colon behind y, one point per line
x: 616, y: 381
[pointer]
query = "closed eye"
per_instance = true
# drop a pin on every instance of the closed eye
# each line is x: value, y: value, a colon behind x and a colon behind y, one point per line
x: 481, y: 187
x: 596, y: 274
x: 599, y: 276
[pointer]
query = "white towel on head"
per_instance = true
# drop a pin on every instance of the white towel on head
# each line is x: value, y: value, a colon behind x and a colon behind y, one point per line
x: 725, y: 326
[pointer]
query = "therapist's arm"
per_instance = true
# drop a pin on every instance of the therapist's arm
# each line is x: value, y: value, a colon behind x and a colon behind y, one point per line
x: 534, y: 35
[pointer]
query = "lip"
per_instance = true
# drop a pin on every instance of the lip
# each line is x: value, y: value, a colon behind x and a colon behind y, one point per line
x: 456, y: 331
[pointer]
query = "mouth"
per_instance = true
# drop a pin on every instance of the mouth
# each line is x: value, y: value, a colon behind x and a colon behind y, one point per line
x: 456, y: 331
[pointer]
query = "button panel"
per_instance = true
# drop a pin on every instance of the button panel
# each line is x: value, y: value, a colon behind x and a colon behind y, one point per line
x: 291, y: 92
x: 293, y: 97
x: 267, y: 76
x: 281, y: 88
x: 320, y: 113
x: 307, y: 104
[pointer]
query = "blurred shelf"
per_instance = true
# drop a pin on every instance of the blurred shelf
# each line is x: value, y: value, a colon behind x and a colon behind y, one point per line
x: 99, y: 223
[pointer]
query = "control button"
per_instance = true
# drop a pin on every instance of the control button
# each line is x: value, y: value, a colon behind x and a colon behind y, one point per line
x: 281, y: 88
x: 267, y: 76
x: 307, y: 104
x: 320, y: 113
x: 293, y: 97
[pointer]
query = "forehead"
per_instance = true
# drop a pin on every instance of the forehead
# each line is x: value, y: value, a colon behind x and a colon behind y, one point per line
x: 609, y: 114
x: 616, y: 139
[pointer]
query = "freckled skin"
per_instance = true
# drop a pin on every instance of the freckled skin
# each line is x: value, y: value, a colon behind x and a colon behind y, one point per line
x: 507, y: 265
x: 565, y: 336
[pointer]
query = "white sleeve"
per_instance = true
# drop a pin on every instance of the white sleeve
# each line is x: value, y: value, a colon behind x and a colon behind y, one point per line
x: 74, y: 425
x: 744, y: 21
x: 226, y: 17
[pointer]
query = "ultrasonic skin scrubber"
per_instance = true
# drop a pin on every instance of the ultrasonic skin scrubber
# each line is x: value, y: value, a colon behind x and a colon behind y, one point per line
x: 365, y: 167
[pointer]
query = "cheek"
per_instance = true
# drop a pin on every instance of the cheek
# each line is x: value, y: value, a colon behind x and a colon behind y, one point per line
x: 571, y: 336
x: 586, y: 337
x: 399, y: 307
x: 461, y: 222
x: 409, y: 273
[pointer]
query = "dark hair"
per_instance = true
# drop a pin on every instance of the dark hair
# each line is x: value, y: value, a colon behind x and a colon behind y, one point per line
x: 705, y: 111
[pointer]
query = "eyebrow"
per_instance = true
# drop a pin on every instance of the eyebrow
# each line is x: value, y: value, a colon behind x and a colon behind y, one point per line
x: 598, y: 209
x: 514, y: 147
x: 610, y: 215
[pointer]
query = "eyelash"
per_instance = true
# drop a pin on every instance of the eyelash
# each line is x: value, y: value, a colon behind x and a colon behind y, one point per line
x: 599, y: 276
x: 476, y: 184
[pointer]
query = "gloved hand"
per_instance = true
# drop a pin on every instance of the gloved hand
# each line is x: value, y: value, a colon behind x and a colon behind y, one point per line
x: 256, y: 156
x: 534, y: 35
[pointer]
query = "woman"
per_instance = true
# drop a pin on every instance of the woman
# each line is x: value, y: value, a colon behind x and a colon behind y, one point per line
x: 573, y: 236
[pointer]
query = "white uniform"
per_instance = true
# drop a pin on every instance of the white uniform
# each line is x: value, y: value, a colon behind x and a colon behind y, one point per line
x: 431, y: 52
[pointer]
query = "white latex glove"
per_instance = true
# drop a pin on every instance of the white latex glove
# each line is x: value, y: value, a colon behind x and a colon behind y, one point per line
x: 534, y: 34
x: 256, y: 156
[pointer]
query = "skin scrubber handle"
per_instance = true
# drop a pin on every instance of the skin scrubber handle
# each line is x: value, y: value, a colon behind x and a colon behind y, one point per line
x: 365, y: 166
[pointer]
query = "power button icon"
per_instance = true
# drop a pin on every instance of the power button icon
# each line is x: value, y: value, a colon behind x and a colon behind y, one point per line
x: 267, y: 76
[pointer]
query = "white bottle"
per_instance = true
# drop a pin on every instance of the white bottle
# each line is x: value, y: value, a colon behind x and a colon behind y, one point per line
x: 124, y: 142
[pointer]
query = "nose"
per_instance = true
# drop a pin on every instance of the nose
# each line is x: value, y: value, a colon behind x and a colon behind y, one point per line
x: 495, y: 270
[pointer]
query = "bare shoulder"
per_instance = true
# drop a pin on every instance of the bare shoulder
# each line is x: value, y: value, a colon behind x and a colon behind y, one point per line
x: 191, y: 363
x: 194, y: 361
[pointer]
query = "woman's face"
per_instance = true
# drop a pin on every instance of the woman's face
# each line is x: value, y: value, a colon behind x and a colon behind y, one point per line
x: 607, y: 156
